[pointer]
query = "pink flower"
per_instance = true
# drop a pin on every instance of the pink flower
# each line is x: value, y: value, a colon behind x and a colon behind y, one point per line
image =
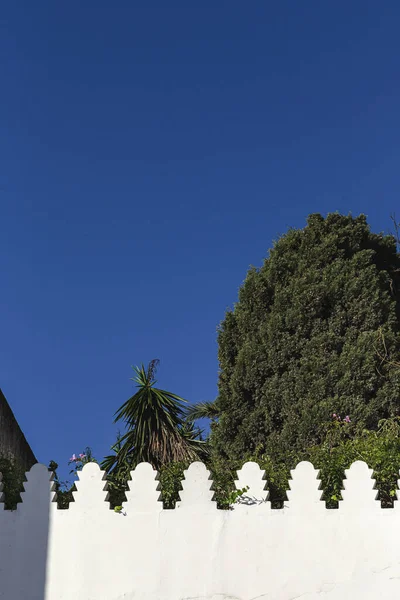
x: 347, y: 419
x: 334, y: 415
x: 81, y: 456
x: 73, y: 458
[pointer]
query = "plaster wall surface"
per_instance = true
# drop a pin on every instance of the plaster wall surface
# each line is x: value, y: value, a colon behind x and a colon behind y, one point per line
x: 197, y: 552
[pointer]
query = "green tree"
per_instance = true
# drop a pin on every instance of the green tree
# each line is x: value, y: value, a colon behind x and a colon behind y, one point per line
x: 305, y: 340
x: 157, y: 430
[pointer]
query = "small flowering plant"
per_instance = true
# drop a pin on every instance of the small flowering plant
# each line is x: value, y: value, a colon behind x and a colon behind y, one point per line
x: 338, y: 429
x: 80, y: 460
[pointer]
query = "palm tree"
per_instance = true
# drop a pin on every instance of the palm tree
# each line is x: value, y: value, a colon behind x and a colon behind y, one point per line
x: 157, y: 429
x: 202, y: 410
x: 114, y: 462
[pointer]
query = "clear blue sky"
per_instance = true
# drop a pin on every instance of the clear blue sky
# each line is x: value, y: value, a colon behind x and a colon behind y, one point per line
x: 149, y: 153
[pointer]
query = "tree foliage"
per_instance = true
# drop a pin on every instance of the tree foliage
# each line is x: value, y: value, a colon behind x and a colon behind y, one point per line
x: 379, y: 448
x: 202, y: 410
x: 62, y: 489
x: 305, y: 340
x: 11, y: 482
x: 158, y: 431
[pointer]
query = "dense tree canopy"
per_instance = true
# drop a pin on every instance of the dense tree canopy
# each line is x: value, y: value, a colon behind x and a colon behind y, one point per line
x: 315, y: 331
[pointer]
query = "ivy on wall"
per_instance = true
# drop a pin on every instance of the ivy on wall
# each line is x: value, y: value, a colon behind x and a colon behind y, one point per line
x: 13, y: 482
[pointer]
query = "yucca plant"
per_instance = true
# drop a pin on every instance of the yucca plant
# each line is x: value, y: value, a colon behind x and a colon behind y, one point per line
x: 157, y: 430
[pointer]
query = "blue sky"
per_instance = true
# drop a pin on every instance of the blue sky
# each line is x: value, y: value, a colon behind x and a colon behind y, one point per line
x: 149, y: 154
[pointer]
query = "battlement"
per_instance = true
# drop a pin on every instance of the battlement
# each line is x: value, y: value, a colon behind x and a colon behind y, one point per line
x: 197, y: 551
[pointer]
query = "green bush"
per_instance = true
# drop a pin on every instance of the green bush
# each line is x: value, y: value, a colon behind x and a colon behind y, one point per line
x: 171, y: 476
x: 342, y: 444
x: 13, y: 482
x: 379, y: 449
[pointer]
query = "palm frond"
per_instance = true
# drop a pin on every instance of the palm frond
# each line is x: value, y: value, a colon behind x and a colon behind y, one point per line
x: 202, y: 410
x: 155, y: 421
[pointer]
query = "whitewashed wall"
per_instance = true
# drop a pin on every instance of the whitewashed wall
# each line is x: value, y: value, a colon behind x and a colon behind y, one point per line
x: 197, y: 552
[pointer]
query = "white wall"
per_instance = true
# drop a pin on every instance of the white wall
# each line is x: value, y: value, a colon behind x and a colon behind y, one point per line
x: 197, y: 552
